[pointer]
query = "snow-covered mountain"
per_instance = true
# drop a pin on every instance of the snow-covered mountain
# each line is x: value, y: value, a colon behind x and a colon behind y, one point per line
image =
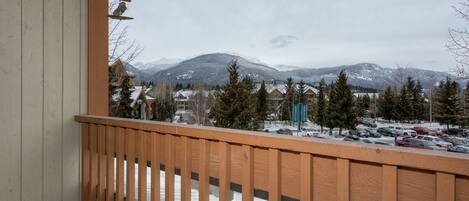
x: 370, y: 75
x: 211, y: 69
x: 153, y: 67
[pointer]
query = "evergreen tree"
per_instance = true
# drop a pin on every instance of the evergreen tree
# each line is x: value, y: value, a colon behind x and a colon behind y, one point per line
x: 123, y: 109
x: 235, y: 105
x: 404, y: 105
x: 262, y: 106
x: 300, y: 93
x: 387, y: 104
x: 418, y: 102
x: 288, y: 99
x: 321, y: 105
x: 166, y: 107
x: 340, y: 109
x: 447, y: 103
x: 246, y: 118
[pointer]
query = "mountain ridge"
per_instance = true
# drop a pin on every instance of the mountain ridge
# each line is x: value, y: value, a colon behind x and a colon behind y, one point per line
x: 211, y: 69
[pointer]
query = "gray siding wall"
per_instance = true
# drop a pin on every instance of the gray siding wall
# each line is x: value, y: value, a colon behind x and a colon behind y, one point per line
x: 43, y: 80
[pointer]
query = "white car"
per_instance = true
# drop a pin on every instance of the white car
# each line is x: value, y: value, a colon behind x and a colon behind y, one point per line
x: 407, y: 133
x: 438, y: 141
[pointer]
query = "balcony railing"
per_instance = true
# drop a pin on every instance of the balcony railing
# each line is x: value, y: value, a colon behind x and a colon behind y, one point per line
x: 282, y: 167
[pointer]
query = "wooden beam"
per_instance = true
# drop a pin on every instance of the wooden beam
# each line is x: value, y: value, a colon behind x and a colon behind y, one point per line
x: 98, y: 99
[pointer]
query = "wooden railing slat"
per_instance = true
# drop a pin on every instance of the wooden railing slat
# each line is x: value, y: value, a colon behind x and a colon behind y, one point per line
x: 343, y: 179
x: 130, y: 156
x: 389, y: 192
x: 142, y: 165
x: 110, y: 134
x: 186, y: 170
x: 169, y: 168
x: 94, y: 163
x: 247, y: 173
x: 275, y: 191
x: 101, y: 163
x: 306, y: 179
x: 445, y: 187
x: 85, y: 165
x: 225, y: 171
x: 155, y: 167
x: 204, y: 158
x: 120, y: 147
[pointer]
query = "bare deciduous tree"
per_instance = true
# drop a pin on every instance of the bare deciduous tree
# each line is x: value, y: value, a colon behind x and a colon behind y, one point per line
x: 120, y: 46
x: 458, y: 42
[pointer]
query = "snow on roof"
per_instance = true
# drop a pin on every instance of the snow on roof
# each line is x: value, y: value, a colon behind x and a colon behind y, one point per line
x: 282, y: 88
x: 366, y: 94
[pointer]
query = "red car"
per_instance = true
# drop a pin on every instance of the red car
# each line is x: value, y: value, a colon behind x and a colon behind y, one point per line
x: 419, y: 144
x: 423, y: 131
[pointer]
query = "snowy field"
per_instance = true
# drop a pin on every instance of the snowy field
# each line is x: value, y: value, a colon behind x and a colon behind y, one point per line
x: 177, y: 187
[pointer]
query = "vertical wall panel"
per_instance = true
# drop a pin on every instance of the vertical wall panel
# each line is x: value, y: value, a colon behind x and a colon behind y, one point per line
x: 32, y: 100
x: 10, y: 101
x: 43, y: 83
x: 71, y: 100
x: 53, y: 62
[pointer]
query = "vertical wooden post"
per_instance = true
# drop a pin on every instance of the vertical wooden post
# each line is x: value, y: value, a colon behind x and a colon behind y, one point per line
x: 169, y: 168
x: 248, y: 173
x: 110, y: 136
x: 275, y: 191
x: 225, y: 171
x: 306, y: 172
x: 98, y: 99
x: 186, y: 170
x: 155, y: 167
x: 445, y: 187
x: 142, y: 165
x: 120, y: 146
x: 343, y: 179
x: 85, y: 165
x: 94, y: 162
x: 204, y: 158
x: 130, y: 156
x: 389, y: 192
x: 101, y: 162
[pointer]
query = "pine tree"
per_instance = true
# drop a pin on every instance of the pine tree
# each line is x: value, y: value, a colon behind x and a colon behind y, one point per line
x: 340, y: 109
x: 387, y: 104
x: 262, y: 103
x: 166, y: 107
x: 404, y: 105
x: 447, y: 103
x: 235, y: 105
x: 301, y: 91
x: 287, y: 100
x: 418, y: 102
x: 321, y: 105
x: 123, y: 109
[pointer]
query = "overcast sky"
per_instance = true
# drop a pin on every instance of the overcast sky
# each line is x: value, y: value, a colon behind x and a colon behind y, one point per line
x: 307, y: 33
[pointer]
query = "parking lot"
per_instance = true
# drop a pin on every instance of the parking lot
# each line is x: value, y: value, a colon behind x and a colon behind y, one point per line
x: 429, y: 136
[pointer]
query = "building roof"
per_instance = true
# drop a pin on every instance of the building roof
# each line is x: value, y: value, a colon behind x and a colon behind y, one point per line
x: 282, y: 89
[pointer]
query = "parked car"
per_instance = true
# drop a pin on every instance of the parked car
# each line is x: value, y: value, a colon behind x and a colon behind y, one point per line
x: 284, y: 131
x: 408, y: 133
x: 419, y: 144
x: 423, y: 131
x: 454, y: 140
x: 438, y: 141
x: 369, y: 122
x: 454, y: 131
x: 372, y: 132
x: 459, y: 149
x: 350, y: 137
x: 387, y: 132
x: 360, y: 132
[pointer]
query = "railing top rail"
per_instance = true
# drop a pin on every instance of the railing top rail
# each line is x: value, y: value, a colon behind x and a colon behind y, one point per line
x: 399, y: 156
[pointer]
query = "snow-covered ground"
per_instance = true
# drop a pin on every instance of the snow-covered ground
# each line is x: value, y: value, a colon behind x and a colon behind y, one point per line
x: 214, y: 191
